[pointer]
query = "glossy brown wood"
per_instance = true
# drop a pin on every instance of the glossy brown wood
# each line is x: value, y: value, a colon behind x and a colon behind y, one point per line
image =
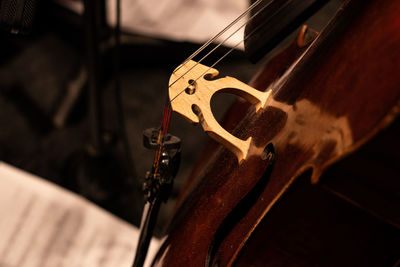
x: 272, y: 71
x: 340, y: 92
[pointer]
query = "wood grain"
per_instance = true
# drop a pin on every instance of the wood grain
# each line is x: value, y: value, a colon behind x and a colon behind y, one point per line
x: 339, y: 93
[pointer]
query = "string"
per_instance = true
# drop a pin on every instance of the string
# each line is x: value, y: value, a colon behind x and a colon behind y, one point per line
x: 215, y: 63
x: 198, y: 51
x: 167, y: 110
x: 218, y: 35
x: 161, y: 137
x: 228, y: 52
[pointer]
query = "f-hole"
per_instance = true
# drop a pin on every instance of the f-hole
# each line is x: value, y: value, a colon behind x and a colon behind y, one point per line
x: 242, y: 208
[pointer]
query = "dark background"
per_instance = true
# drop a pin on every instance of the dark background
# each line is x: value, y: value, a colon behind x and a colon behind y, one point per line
x: 38, y: 72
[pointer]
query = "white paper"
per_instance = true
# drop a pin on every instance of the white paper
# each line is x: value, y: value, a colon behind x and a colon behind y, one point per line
x: 43, y: 225
x: 178, y: 20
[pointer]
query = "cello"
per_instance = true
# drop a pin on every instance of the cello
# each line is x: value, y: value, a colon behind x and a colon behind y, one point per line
x: 302, y: 116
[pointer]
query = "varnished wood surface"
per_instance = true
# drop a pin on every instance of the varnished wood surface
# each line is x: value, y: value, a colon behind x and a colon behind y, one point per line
x: 312, y: 227
x: 272, y: 71
x: 342, y: 91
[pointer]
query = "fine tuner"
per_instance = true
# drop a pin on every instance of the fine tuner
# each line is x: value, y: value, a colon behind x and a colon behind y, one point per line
x: 191, y: 89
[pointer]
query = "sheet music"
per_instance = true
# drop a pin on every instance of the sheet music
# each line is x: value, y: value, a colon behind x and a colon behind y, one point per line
x: 43, y: 225
x: 178, y: 20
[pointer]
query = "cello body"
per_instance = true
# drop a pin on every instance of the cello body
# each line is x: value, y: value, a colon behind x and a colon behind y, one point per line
x: 337, y: 94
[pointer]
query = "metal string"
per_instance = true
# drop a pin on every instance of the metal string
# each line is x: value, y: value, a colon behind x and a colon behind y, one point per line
x: 218, y: 35
x: 251, y: 7
x: 215, y: 63
x: 167, y: 111
x: 228, y: 52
